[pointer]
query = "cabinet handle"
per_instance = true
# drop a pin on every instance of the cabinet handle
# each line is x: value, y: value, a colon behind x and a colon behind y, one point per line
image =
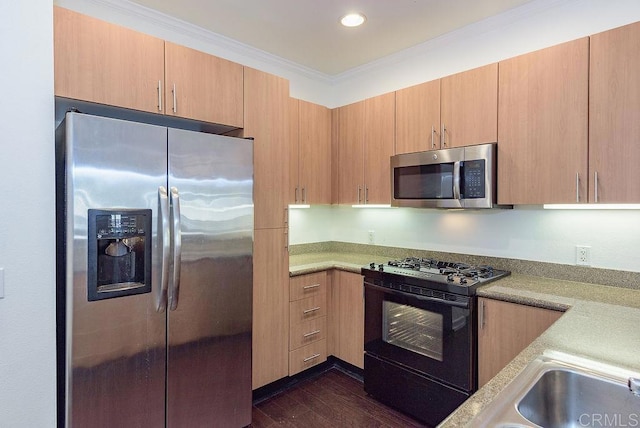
x: 359, y: 191
x: 286, y: 215
x: 304, y: 195
x: 482, y: 315
x: 577, y: 187
x: 286, y: 239
x: 308, y: 311
x: 175, y: 107
x: 295, y: 198
x: 308, y: 287
x: 311, y: 333
x: 313, y: 357
x: 366, y: 194
x: 595, y: 187
x: 443, y: 140
x: 433, y: 131
x: 159, y: 95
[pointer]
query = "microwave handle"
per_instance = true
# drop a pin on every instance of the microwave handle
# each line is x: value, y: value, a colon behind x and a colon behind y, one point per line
x: 456, y: 179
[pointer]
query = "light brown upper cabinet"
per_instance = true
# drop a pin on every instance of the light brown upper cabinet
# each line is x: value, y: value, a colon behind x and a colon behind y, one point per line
x: 310, y: 153
x: 457, y: 110
x: 202, y: 87
x: 107, y: 64
x: 469, y: 107
x: 614, y: 116
x: 365, y: 142
x: 266, y: 119
x: 542, y: 126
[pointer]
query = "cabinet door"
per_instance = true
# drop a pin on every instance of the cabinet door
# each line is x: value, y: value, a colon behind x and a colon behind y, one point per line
x: 614, y: 115
x: 504, y: 330
x: 270, y: 306
x: 294, y: 151
x: 470, y: 107
x: 266, y: 117
x: 542, y: 126
x: 105, y: 63
x: 379, y: 135
x: 350, y: 318
x: 314, y: 178
x: 350, y: 159
x: 202, y: 87
x: 418, y: 118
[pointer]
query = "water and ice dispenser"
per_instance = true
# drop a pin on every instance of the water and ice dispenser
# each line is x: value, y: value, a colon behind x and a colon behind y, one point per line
x: 119, y: 251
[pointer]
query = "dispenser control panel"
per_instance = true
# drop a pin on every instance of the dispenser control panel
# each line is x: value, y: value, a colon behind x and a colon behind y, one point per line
x: 119, y: 253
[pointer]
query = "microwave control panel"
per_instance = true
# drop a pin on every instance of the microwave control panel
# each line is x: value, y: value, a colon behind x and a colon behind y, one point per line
x: 473, y: 179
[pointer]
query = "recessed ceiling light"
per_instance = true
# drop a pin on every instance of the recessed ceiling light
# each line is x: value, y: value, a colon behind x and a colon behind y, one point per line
x: 353, y: 19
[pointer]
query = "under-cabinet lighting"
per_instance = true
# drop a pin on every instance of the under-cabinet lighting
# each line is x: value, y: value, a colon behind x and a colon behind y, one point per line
x: 371, y: 206
x: 591, y: 206
x: 296, y: 206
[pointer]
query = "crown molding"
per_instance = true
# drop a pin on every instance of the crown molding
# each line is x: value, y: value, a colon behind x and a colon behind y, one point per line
x: 465, y: 33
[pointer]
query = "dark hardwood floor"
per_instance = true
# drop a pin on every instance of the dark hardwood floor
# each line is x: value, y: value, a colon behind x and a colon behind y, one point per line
x: 331, y: 399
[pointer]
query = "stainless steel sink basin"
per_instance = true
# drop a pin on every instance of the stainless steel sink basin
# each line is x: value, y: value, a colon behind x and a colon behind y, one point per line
x: 567, y: 398
x: 568, y: 392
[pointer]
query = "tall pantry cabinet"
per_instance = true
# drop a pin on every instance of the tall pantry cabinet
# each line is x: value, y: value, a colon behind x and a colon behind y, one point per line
x: 266, y: 119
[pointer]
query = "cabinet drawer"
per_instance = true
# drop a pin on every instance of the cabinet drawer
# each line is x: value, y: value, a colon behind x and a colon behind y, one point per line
x: 304, y: 333
x: 308, y: 309
x: 304, y: 286
x: 307, y: 356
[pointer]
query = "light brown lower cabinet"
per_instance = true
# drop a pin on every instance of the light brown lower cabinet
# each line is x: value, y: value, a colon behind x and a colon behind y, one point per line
x: 307, y: 321
x: 347, y: 317
x: 504, y: 330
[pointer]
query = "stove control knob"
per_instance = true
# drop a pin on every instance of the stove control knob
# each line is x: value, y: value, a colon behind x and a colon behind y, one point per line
x: 380, y: 267
x: 450, y: 277
x: 372, y: 265
x: 463, y: 280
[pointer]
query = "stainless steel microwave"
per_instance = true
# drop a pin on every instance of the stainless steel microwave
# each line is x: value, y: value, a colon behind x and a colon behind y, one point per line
x: 460, y: 177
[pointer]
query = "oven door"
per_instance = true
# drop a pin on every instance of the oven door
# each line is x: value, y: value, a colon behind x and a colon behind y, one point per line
x: 434, y: 337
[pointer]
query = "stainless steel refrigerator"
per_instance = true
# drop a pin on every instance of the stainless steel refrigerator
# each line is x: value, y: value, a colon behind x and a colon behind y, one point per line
x: 154, y: 275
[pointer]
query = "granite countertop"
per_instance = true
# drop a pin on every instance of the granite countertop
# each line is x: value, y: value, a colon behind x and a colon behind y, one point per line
x: 601, y: 322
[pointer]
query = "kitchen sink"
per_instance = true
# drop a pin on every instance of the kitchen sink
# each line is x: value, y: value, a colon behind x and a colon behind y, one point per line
x: 568, y: 392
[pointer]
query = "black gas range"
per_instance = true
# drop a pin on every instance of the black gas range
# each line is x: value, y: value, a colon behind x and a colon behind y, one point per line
x: 425, y: 274
x: 421, y: 334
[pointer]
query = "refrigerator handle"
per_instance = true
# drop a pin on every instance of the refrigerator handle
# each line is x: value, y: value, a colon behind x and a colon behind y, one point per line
x: 164, y: 233
x: 174, y: 291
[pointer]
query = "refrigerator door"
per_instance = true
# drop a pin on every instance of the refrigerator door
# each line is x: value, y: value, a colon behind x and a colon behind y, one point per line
x: 209, y: 320
x: 114, y: 351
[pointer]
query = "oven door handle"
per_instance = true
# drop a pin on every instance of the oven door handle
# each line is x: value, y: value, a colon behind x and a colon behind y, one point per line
x: 464, y: 305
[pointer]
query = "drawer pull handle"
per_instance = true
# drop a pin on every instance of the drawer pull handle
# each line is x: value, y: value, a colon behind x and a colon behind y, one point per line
x: 309, y: 287
x: 311, y: 333
x: 308, y: 311
x: 313, y: 357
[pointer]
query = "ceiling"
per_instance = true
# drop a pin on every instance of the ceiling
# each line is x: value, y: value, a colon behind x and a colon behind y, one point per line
x: 308, y: 32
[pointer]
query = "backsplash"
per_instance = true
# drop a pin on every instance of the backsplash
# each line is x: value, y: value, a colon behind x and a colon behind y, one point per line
x: 614, y: 278
x: 523, y: 233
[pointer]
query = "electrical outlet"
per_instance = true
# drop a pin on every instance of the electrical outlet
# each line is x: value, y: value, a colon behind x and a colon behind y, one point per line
x: 583, y: 255
x: 372, y: 236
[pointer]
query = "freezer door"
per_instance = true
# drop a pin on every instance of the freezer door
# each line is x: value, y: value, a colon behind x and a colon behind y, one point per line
x: 209, y: 320
x: 112, y: 360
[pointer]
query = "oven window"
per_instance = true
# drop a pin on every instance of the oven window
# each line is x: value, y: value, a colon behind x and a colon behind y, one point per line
x: 413, y: 329
x: 423, y: 181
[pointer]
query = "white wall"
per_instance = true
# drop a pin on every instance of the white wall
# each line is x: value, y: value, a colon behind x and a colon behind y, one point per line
x: 27, y: 215
x: 528, y: 233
